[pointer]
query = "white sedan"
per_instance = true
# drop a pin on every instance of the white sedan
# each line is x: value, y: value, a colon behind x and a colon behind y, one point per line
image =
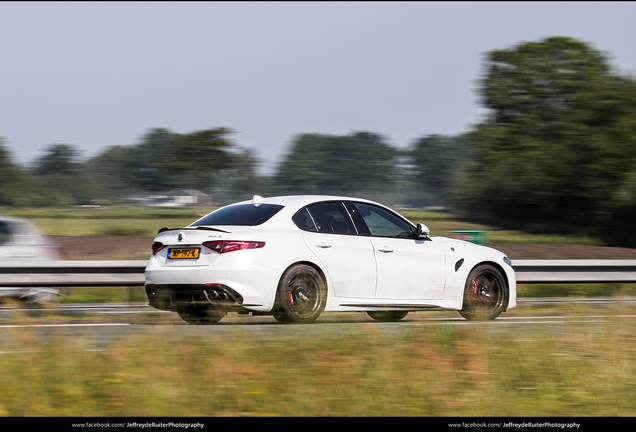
x: 294, y: 257
x: 21, y: 242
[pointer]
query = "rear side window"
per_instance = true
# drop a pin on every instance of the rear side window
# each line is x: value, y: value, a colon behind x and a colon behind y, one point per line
x: 327, y: 217
x: 240, y: 215
x: 304, y: 221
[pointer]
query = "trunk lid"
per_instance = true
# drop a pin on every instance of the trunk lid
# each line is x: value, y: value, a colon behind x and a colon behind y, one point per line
x: 184, y: 247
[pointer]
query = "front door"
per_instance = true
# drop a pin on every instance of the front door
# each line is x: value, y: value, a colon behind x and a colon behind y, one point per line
x: 407, y: 268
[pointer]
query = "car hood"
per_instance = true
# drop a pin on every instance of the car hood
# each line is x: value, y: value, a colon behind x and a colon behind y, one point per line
x: 461, y: 246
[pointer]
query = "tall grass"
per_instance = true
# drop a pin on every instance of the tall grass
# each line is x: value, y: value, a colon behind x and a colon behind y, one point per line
x: 357, y: 369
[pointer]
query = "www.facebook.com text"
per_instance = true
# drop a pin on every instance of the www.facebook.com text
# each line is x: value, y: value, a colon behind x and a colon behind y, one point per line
x: 518, y: 425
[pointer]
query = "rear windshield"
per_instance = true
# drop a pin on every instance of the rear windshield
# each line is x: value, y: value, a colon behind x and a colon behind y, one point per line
x: 240, y: 215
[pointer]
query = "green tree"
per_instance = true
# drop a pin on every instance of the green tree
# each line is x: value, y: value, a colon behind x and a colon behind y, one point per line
x: 146, y: 163
x: 163, y: 161
x: 434, y: 162
x: 360, y: 163
x: 11, y: 177
x: 560, y: 135
x: 113, y: 172
x: 137, y: 169
x: 58, y: 178
x: 58, y: 159
x: 200, y: 156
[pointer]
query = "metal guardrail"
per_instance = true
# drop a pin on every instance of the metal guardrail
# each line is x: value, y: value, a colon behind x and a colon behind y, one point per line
x: 64, y: 273
x: 131, y: 273
x: 575, y: 271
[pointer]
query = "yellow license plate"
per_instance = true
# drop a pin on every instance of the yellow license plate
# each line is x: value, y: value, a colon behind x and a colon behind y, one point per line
x: 183, y: 253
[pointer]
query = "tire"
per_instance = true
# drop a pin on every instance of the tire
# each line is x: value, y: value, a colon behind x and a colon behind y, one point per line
x: 301, y: 296
x: 485, y: 294
x: 194, y: 314
x: 387, y: 316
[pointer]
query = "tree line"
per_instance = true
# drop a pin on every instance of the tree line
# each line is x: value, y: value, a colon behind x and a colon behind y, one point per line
x: 557, y: 151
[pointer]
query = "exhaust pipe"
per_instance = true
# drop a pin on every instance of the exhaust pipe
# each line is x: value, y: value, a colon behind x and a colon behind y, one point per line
x: 216, y: 293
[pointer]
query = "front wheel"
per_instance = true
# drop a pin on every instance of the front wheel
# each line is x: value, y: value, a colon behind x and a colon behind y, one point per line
x: 302, y: 295
x: 485, y: 294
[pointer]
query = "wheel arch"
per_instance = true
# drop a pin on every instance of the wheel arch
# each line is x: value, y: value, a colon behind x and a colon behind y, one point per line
x: 498, y: 267
x: 315, y: 266
x: 503, y: 273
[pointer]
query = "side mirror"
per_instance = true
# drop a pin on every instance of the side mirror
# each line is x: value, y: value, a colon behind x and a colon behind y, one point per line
x: 422, y: 231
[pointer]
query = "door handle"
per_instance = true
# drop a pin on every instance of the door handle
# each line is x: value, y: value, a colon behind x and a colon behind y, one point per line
x: 323, y: 245
x: 386, y: 249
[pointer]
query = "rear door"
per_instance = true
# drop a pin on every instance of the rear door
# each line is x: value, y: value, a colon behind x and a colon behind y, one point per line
x: 330, y: 234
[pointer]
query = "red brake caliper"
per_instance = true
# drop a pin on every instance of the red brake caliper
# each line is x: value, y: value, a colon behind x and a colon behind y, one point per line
x: 475, y: 287
x: 290, y: 298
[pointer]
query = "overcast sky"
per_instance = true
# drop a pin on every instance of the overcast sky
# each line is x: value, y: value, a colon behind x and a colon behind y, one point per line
x: 100, y: 74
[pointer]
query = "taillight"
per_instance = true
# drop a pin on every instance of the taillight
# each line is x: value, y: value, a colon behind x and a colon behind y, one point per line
x: 231, y: 246
x: 157, y: 246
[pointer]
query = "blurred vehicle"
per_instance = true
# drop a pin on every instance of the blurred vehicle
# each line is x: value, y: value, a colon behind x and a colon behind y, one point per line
x: 21, y: 242
x: 294, y: 257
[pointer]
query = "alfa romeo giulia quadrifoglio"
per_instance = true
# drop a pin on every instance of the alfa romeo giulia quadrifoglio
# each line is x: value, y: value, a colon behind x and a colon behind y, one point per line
x: 294, y: 257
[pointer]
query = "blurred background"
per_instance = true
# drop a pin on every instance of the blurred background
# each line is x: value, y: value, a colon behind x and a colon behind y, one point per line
x: 166, y: 104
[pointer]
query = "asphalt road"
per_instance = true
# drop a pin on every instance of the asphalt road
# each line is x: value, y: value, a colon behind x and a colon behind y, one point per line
x: 535, y: 310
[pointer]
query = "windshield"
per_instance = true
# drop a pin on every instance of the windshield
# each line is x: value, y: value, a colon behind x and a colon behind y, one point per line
x: 239, y: 215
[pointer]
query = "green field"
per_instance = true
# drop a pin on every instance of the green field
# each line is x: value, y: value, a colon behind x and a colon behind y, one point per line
x: 108, y: 220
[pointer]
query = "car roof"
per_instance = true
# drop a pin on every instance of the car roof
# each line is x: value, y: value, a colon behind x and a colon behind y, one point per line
x: 292, y: 203
x: 298, y: 201
x: 16, y: 220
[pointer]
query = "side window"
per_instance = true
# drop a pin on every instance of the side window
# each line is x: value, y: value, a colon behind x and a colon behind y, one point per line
x: 304, y: 221
x: 5, y: 233
x: 332, y: 218
x: 383, y: 223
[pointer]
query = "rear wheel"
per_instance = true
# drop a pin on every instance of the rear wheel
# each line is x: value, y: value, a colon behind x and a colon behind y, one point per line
x: 485, y: 294
x: 302, y: 295
x: 199, y: 314
x: 387, y: 316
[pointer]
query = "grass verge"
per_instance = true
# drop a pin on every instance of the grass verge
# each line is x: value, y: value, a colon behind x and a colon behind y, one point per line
x: 358, y: 369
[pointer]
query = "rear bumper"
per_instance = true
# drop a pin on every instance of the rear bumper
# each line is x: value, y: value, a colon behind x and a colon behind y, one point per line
x: 167, y: 297
x: 235, y: 289
x: 236, y: 286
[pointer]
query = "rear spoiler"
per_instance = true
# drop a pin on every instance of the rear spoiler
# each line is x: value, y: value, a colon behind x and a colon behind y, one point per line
x: 164, y: 229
